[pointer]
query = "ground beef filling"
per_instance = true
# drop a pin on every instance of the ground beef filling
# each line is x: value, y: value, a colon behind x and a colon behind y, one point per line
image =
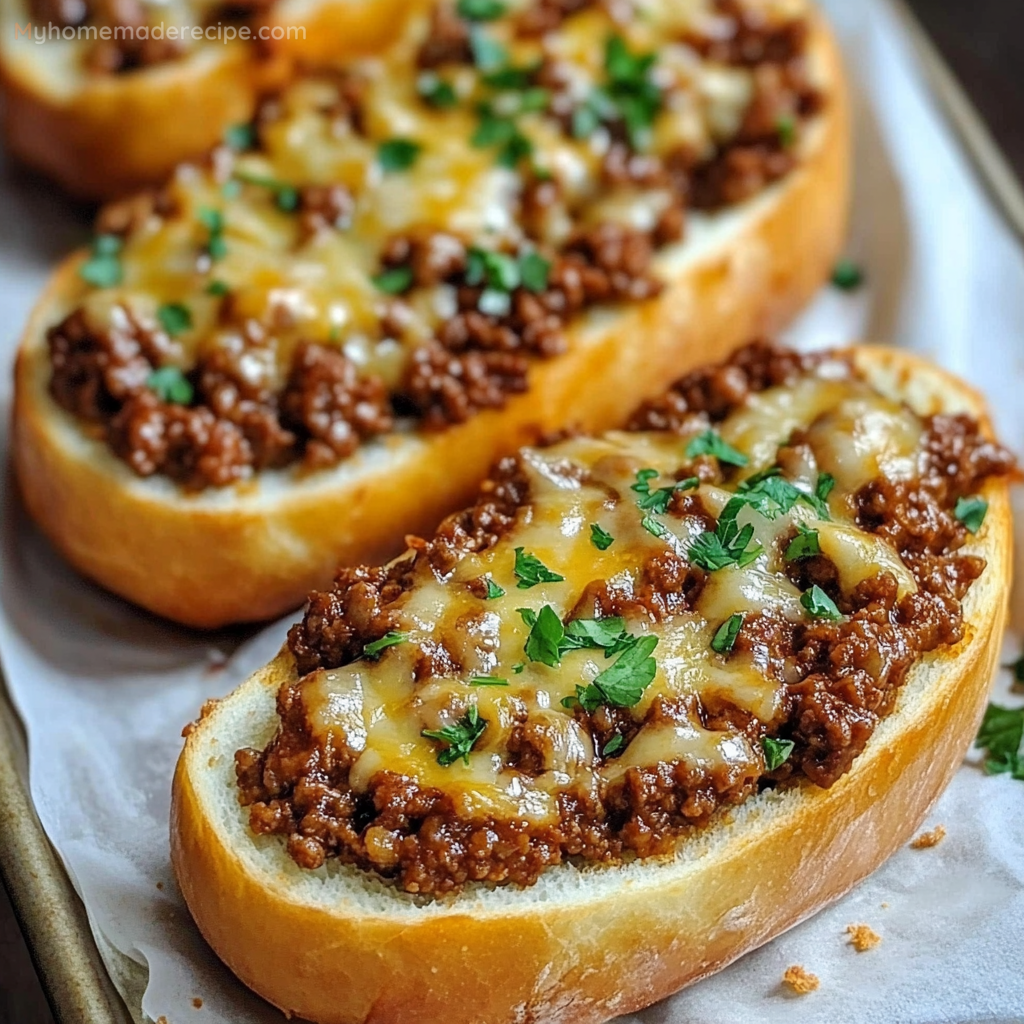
x: 840, y: 678
x: 478, y: 357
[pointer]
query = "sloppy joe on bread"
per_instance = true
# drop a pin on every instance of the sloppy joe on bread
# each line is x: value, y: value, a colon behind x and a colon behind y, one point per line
x: 515, y: 217
x: 656, y: 696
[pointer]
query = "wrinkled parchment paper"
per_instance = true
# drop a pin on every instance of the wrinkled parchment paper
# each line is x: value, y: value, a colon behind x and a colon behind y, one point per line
x: 104, y: 690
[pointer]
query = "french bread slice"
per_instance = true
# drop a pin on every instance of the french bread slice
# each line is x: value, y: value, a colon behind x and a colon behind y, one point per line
x: 254, y: 551
x: 340, y: 946
x: 104, y: 135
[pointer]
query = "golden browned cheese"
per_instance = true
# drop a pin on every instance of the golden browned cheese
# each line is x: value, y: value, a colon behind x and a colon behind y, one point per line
x: 319, y: 286
x: 379, y: 709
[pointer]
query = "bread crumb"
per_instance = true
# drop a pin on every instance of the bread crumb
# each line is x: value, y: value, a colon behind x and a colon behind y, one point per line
x: 160, y: 886
x: 862, y: 937
x: 197, y: 1003
x: 885, y: 906
x: 926, y: 840
x: 161, y: 1020
x: 800, y: 981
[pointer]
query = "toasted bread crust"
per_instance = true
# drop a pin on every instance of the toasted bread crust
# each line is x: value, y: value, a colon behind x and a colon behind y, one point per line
x: 599, y: 951
x: 236, y: 557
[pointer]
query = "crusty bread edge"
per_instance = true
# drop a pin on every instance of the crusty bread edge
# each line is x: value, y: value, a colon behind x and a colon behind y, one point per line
x: 221, y: 558
x: 609, y: 951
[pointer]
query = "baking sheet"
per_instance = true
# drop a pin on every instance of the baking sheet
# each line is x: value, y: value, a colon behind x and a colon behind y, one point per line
x: 98, y: 684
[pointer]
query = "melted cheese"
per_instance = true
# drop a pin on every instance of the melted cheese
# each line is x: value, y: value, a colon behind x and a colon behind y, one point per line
x: 320, y: 288
x: 379, y: 710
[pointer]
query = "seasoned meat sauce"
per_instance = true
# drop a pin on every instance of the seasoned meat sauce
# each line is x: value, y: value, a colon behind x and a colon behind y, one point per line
x: 406, y: 238
x: 626, y: 634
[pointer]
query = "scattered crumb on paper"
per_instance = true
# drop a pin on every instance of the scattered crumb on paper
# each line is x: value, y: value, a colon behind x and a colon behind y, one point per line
x: 799, y: 980
x: 862, y: 937
x: 926, y: 840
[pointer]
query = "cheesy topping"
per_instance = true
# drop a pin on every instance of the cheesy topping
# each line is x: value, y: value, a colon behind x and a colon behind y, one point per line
x: 238, y: 249
x: 389, y: 716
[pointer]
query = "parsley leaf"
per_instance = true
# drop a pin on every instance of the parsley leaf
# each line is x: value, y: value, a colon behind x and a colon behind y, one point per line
x: 171, y: 385
x: 397, y: 154
x: 487, y: 681
x: 497, y: 270
x: 488, y: 53
x: 725, y: 637
x: 395, y: 281
x: 103, y: 268
x: 493, y: 590
x: 174, y: 318
x: 286, y: 196
x: 847, y: 276
x: 544, y: 644
x: 657, y: 501
x: 804, y: 544
x: 653, y: 527
x: 786, y: 126
x: 630, y: 90
x: 605, y: 633
x: 390, y: 639
x: 601, y: 539
x: 213, y: 221
x: 711, y: 443
x: 530, y: 571
x: 622, y: 684
x: 460, y: 737
x: 534, y: 271
x: 819, y: 605
x: 776, y: 752
x: 727, y: 545
x: 436, y: 92
x: 218, y: 288
x: 971, y: 512
x: 481, y: 10
x: 1001, y: 733
x: 614, y: 745
x: 824, y: 487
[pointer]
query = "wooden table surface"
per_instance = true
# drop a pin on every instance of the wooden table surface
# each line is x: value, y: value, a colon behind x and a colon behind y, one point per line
x: 984, y: 43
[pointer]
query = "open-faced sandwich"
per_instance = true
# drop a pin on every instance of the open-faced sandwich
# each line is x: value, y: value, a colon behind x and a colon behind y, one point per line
x: 657, y: 696
x: 323, y: 337
x: 105, y: 96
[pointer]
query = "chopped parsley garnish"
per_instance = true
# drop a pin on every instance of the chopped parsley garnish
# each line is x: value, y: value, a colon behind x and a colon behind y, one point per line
x: 971, y: 512
x: 481, y: 10
x: 240, y: 136
x: 727, y: 545
x: 501, y: 131
x: 1001, y: 733
x: 218, y: 288
x: 395, y: 281
x: 213, y: 221
x: 653, y: 527
x: 847, y: 276
x: 493, y: 590
x: 171, y: 385
x: 776, y: 752
x: 547, y: 634
x: 373, y: 649
x: 501, y: 273
x: 549, y: 640
x: 819, y: 605
x: 487, y: 681
x: 435, y: 91
x: 460, y: 737
x: 629, y: 91
x: 286, y: 196
x: 531, y: 571
x: 103, y: 267
x: 804, y: 544
x: 824, y: 487
x: 174, y: 318
x: 601, y: 539
x: 614, y: 745
x: 397, y: 154
x: 711, y: 443
x: 657, y: 501
x: 725, y: 636
x: 622, y: 684
x: 786, y: 127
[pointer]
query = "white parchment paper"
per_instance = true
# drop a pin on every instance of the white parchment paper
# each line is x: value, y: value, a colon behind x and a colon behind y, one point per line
x: 104, y: 690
